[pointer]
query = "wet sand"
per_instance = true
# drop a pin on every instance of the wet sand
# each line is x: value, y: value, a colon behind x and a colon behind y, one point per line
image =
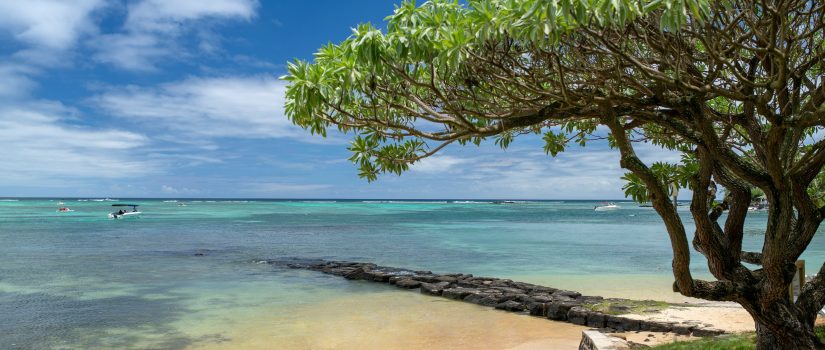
x: 394, y: 320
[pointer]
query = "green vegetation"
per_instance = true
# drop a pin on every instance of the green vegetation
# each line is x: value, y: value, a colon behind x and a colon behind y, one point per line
x: 736, y: 87
x: 746, y: 341
x: 622, y: 306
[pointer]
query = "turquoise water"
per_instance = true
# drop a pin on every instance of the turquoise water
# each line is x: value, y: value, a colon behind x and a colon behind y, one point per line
x: 82, y: 281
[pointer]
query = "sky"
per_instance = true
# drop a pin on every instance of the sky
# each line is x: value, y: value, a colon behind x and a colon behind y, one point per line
x: 181, y: 98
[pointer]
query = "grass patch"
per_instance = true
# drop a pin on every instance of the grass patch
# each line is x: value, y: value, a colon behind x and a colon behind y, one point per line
x: 745, y: 341
x: 727, y: 342
x: 623, y: 306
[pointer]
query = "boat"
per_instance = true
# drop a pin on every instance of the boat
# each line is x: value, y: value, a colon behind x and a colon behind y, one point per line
x: 182, y: 204
x: 120, y: 214
x: 64, y: 210
x: 606, y: 207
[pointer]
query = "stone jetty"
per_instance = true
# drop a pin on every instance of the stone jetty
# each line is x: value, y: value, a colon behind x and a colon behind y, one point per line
x: 504, y: 294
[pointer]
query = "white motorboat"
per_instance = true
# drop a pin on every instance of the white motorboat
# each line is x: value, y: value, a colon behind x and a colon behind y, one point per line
x: 606, y: 207
x: 122, y: 214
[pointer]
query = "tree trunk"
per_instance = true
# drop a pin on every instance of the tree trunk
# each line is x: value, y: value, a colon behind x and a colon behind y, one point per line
x: 779, y: 334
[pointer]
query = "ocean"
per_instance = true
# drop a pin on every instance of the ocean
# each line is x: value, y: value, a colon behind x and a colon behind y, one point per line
x: 194, y: 277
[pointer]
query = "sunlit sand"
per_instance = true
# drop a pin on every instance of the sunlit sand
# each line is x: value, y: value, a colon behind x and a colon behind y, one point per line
x: 395, y: 320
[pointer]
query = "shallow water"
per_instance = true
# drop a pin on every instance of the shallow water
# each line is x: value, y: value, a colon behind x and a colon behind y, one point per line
x: 82, y: 281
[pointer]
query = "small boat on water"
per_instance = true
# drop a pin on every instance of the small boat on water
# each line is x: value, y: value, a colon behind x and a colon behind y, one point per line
x: 121, y: 214
x: 606, y: 206
x: 64, y: 210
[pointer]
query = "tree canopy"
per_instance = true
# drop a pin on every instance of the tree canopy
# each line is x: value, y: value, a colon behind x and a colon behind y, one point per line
x: 736, y: 86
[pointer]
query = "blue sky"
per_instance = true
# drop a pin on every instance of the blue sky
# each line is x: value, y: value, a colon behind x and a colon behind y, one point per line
x: 162, y: 98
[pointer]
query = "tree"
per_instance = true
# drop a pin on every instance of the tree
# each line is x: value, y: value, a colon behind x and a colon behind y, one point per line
x: 736, y: 86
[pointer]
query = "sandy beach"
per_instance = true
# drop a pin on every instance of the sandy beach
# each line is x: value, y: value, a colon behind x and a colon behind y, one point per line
x: 408, y: 320
x: 397, y: 320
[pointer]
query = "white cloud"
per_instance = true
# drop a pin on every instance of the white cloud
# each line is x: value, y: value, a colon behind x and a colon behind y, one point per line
x: 40, y: 148
x: 206, y: 107
x: 153, y: 29
x: 168, y: 16
x: 43, y: 32
x: 438, y: 164
x: 135, y: 51
x: 15, y: 80
x: 53, y: 24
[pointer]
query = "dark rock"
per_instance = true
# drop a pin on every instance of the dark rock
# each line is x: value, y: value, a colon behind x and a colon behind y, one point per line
x: 563, y: 298
x: 476, y: 298
x: 557, y: 310
x: 613, y: 322
x: 629, y: 324
x: 357, y: 274
x: 588, y: 299
x: 577, y: 315
x: 395, y: 279
x: 596, y: 319
x: 537, y: 309
x: 541, y: 289
x: 467, y: 283
x: 509, y: 290
x: 500, y: 283
x: 450, y: 279
x: 541, y: 298
x: 507, y: 297
x: 510, y: 305
x: 683, y: 329
x: 338, y: 271
x: 567, y: 293
x: 457, y: 293
x: 482, y: 299
x: 655, y: 326
x: 433, y: 288
x: 426, y: 278
x: 523, y: 298
x: 408, y: 283
x: 707, y: 332
x: 618, y: 309
x: 377, y: 276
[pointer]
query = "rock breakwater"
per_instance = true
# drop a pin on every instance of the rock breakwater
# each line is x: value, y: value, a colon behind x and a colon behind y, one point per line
x: 504, y: 294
